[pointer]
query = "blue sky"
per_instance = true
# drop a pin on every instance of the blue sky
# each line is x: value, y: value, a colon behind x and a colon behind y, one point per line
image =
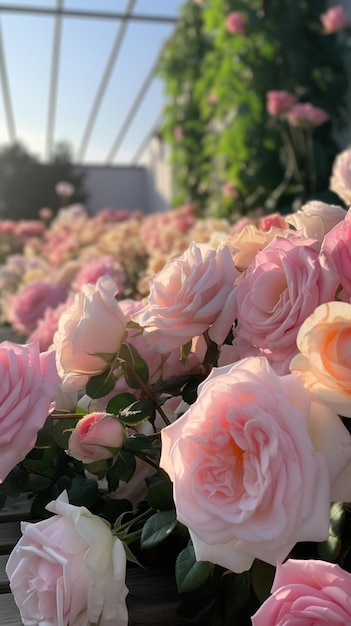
x: 85, y: 48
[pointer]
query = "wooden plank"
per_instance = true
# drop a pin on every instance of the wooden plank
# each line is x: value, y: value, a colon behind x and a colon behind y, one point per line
x: 16, y: 508
x: 10, y: 533
x: 9, y: 612
x: 4, y: 583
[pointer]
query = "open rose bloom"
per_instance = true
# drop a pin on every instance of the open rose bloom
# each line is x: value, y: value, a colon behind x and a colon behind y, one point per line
x: 69, y: 570
x: 264, y: 463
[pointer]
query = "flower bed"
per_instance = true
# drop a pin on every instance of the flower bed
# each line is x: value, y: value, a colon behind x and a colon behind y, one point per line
x: 200, y: 419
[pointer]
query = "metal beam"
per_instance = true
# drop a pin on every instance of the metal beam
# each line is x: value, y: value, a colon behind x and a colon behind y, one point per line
x: 55, y: 59
x: 103, y: 84
x: 103, y: 15
x: 133, y: 110
x: 144, y: 144
x: 6, y: 94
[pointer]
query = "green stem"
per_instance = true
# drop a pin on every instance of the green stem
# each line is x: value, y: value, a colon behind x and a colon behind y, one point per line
x: 139, y: 518
x: 147, y: 391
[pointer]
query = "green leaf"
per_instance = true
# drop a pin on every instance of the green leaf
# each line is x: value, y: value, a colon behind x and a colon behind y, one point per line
x: 101, y: 385
x: 262, y: 576
x: 138, y: 412
x: 135, y: 362
x: 191, y: 574
x: 98, y: 468
x: 157, y: 528
x: 83, y: 491
x: 62, y: 431
x: 15, y: 482
x: 160, y: 492
x: 185, y: 351
x: 3, y: 498
x: 329, y: 550
x: 140, y: 443
x: 119, y: 402
x: 189, y: 394
x: 122, y: 469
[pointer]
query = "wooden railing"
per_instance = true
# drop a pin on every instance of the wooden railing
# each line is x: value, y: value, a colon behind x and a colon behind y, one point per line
x: 152, y: 598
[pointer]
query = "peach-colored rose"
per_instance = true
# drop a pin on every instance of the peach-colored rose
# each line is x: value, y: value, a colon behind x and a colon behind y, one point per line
x: 334, y: 19
x: 316, y: 218
x: 69, y: 570
x: 264, y: 464
x: 324, y: 361
x: 96, y: 436
x: 248, y: 242
x: 187, y: 297
x: 94, y: 324
x: 279, y: 101
x: 306, y: 593
x: 340, y: 181
x: 28, y: 386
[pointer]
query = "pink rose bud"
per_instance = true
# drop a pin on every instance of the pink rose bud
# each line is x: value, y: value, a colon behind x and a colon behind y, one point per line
x: 306, y: 115
x: 178, y: 133
x: 235, y: 22
x: 212, y: 98
x: 279, y: 101
x: 334, y: 19
x: 64, y: 189
x: 97, y: 436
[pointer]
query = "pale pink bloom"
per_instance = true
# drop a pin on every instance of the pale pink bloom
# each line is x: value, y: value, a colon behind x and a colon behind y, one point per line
x: 235, y: 22
x: 340, y: 181
x: 46, y: 213
x: 96, y: 436
x: 336, y: 255
x: 323, y: 362
x: 262, y: 473
x: 93, y: 326
x: 178, y: 133
x: 229, y: 189
x: 31, y: 302
x: 279, y: 102
x: 93, y: 269
x: 187, y: 297
x: 306, y: 115
x: 69, y: 570
x: 275, y: 220
x: 240, y: 225
x: 110, y: 214
x: 334, y: 19
x: 8, y: 227
x: 29, y: 228
x: 28, y: 385
x: 47, y: 326
x: 64, y: 189
x: 212, y: 98
x: 279, y: 290
x: 307, y: 592
x: 316, y: 218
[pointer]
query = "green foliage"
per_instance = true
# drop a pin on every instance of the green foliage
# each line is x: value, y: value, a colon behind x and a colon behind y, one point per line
x: 216, y: 85
x: 27, y: 185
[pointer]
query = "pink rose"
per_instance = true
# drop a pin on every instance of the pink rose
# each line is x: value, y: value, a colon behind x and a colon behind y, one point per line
x: 64, y: 189
x: 261, y: 470
x: 336, y: 255
x: 187, y: 297
x: 334, y: 19
x: 31, y: 302
x: 275, y: 220
x: 340, y: 181
x: 306, y: 115
x: 95, y: 268
x: 46, y: 327
x: 307, y: 593
x: 235, y: 22
x: 279, y: 101
x: 282, y: 286
x: 69, y: 570
x: 28, y: 385
x: 93, y: 325
x: 316, y: 218
x: 96, y: 436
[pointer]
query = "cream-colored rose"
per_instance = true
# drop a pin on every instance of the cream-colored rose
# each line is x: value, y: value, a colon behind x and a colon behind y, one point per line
x: 324, y: 362
x: 248, y: 242
x: 69, y: 570
x: 340, y: 181
x: 315, y: 218
x: 95, y: 324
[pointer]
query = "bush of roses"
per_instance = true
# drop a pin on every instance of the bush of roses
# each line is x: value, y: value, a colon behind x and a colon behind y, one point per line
x: 207, y: 416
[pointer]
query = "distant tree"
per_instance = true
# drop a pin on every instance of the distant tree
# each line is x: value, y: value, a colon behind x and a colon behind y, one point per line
x: 27, y: 185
